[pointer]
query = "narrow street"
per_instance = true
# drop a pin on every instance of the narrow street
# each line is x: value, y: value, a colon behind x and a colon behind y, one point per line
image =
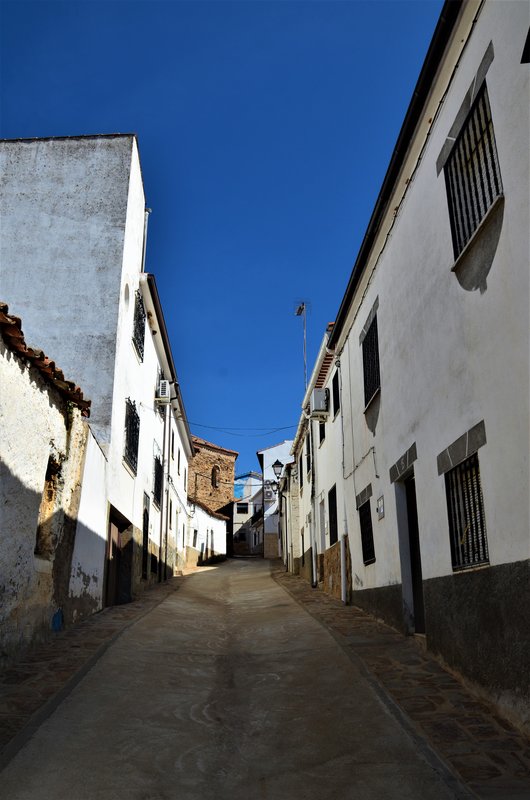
x: 226, y: 689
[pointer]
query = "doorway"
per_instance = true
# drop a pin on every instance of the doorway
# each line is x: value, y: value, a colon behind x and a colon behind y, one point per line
x: 119, y: 560
x: 415, y: 555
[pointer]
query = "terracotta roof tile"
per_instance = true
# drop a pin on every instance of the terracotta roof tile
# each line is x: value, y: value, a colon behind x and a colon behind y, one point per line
x: 11, y: 330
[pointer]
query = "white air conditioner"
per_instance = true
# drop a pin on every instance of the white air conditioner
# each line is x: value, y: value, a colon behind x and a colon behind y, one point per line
x: 163, y: 394
x: 269, y: 494
x: 319, y: 403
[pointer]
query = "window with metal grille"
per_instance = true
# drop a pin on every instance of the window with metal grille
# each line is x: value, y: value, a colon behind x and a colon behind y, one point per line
x: 308, y: 452
x: 367, y: 533
x: 336, y: 393
x: 139, y: 325
x: 465, y: 509
x: 157, y: 481
x: 472, y: 173
x: 132, y: 435
x: 372, y: 379
x: 332, y: 513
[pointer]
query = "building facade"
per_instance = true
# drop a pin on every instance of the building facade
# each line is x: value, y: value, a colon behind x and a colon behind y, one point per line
x: 423, y: 471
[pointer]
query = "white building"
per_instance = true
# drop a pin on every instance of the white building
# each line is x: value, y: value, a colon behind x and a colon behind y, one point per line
x: 268, y: 457
x: 427, y: 434
x: 72, y: 248
x: 42, y: 449
x: 247, y: 516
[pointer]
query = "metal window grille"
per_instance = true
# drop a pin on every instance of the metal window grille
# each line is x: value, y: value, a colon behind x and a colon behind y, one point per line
x: 132, y: 435
x: 139, y: 325
x: 336, y: 393
x: 372, y: 378
x: 332, y: 512
x: 472, y: 173
x: 465, y: 508
x: 367, y: 533
x: 157, y: 481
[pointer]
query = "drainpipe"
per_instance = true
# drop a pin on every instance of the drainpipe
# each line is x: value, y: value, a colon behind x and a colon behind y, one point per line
x: 164, y: 493
x: 144, y: 245
x: 343, y: 566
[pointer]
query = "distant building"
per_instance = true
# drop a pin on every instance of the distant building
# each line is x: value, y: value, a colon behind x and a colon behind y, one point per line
x: 211, y: 488
x: 270, y: 528
x: 248, y: 512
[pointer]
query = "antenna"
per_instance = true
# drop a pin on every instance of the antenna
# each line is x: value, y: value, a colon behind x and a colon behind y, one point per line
x: 301, y: 311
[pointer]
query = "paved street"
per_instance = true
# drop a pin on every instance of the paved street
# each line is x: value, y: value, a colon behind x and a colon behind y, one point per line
x: 229, y: 688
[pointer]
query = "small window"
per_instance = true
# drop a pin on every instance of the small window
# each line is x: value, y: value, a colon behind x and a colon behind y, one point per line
x: 303, y: 546
x: 171, y: 514
x: 132, y: 435
x: 372, y: 380
x: 178, y: 461
x: 332, y: 513
x: 242, y: 508
x: 308, y: 452
x: 336, y: 393
x: 367, y: 534
x: 172, y: 445
x: 157, y: 481
x: 216, y: 473
x: 139, y: 325
x: 195, y: 538
x: 185, y: 478
x: 465, y: 508
x: 472, y: 173
x: 321, y: 431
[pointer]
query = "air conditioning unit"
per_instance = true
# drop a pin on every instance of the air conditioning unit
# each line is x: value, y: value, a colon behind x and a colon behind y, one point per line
x: 269, y: 494
x: 163, y: 394
x: 319, y: 403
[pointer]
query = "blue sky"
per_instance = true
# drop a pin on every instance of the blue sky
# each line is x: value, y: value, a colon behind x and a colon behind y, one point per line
x: 265, y: 130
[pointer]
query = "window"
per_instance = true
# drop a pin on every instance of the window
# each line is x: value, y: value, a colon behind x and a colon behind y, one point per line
x: 195, y: 538
x: 303, y: 546
x: 465, y: 509
x: 308, y: 452
x: 178, y: 461
x: 367, y: 534
x: 172, y: 445
x: 472, y: 174
x: 372, y: 380
x: 336, y: 393
x: 321, y: 431
x: 332, y: 512
x: 139, y: 325
x: 216, y: 472
x: 132, y: 435
x: 242, y: 508
x: 157, y: 481
x: 170, y: 513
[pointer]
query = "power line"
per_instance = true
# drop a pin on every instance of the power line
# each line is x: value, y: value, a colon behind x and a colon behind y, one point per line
x: 233, y: 431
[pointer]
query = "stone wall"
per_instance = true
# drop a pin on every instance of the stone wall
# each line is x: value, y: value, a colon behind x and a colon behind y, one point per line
x: 200, y: 480
x: 331, y: 582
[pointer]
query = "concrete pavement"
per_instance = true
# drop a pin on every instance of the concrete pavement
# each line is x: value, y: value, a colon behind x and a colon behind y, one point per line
x: 226, y: 688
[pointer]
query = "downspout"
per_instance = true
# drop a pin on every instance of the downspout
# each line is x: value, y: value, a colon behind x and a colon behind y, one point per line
x: 314, y: 582
x: 164, y: 492
x: 147, y: 211
x: 343, y: 538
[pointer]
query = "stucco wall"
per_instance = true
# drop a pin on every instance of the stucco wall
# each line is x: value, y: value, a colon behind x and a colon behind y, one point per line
x: 211, y: 537
x: 64, y: 205
x: 37, y: 425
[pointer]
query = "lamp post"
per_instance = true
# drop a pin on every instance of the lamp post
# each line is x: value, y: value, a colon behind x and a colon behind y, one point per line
x: 277, y: 469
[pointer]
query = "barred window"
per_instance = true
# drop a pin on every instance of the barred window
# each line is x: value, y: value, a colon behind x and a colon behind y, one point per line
x: 372, y: 379
x: 139, y: 325
x: 132, y: 435
x: 157, y: 481
x: 465, y: 508
x: 367, y: 533
x: 472, y: 173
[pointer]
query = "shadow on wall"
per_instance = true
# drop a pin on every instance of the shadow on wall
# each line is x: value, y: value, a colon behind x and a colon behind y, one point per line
x: 35, y: 581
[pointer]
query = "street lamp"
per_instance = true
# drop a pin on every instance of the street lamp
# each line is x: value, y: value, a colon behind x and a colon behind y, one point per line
x: 277, y: 468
